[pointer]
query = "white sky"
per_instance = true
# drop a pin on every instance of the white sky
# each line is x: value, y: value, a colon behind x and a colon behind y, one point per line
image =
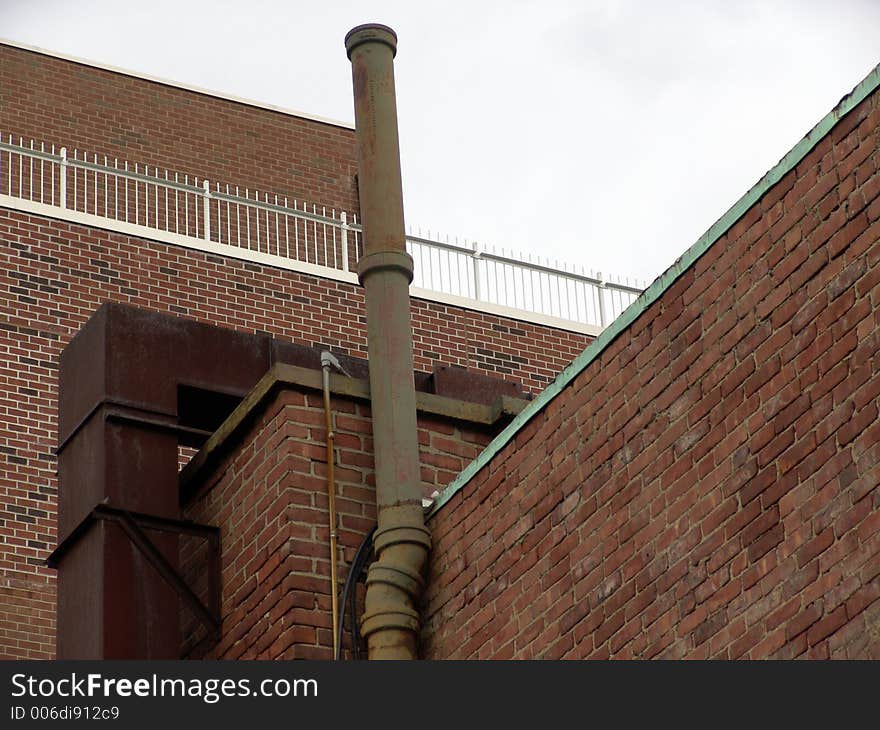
x: 608, y: 134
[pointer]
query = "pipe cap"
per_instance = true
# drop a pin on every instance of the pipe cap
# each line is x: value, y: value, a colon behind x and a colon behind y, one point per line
x: 370, y: 33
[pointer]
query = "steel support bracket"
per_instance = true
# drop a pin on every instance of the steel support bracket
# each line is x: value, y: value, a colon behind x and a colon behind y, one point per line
x: 133, y: 525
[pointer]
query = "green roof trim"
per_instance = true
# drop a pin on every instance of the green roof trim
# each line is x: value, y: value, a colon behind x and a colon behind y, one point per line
x: 664, y: 281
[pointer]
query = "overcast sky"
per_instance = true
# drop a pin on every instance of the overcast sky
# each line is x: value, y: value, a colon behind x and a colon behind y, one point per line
x: 609, y: 134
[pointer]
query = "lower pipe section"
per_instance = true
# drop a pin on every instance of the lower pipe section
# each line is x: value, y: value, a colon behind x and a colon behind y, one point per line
x: 394, y: 583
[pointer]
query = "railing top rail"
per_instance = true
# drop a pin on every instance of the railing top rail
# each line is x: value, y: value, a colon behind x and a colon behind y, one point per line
x: 457, y: 247
x: 132, y: 175
x: 276, y: 208
x: 573, y: 275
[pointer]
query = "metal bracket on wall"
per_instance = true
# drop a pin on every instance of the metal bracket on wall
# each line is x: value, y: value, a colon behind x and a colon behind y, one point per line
x: 134, y: 524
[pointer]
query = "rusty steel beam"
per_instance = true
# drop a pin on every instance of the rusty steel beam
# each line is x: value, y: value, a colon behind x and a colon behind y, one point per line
x: 394, y: 583
x: 133, y: 525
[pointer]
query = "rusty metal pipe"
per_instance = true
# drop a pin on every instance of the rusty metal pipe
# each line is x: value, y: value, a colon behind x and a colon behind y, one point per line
x: 394, y: 582
x: 326, y: 362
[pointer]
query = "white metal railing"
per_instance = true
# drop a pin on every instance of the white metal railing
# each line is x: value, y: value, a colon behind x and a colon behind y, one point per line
x: 480, y: 273
x: 191, y: 207
x: 266, y: 224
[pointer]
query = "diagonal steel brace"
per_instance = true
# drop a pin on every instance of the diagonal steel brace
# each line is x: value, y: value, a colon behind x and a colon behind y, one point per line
x: 132, y: 524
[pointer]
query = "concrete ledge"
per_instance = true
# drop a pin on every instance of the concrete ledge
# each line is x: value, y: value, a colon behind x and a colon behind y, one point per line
x: 282, y: 376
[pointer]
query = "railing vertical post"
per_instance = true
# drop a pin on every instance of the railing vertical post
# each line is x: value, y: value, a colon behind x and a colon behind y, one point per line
x: 343, y: 216
x: 603, y: 317
x: 62, y: 177
x: 207, y: 216
x: 476, y: 260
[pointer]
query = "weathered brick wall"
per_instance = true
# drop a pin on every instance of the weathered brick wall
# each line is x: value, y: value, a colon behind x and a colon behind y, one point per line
x: 708, y: 486
x: 68, y: 104
x: 269, y: 496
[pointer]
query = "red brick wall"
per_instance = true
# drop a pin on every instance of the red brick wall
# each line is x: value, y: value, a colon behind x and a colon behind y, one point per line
x: 68, y: 104
x: 53, y: 275
x: 708, y: 486
x: 27, y: 608
x: 269, y: 496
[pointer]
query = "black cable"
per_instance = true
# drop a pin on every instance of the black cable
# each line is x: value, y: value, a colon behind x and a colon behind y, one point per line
x: 349, y: 595
x: 352, y: 618
x: 359, y: 565
x: 360, y: 572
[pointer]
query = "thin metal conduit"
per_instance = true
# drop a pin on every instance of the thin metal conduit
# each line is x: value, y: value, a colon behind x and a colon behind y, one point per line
x: 328, y: 360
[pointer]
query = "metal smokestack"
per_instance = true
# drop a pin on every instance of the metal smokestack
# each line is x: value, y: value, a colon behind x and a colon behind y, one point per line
x: 394, y: 582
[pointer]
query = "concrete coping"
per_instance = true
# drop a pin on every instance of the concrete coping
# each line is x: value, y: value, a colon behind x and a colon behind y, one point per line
x: 281, y: 376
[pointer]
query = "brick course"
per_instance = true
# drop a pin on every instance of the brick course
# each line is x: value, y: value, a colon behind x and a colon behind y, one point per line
x: 707, y: 486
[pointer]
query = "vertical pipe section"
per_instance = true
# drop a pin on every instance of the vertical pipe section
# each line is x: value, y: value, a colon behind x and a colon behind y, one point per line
x: 402, y: 542
x: 331, y: 497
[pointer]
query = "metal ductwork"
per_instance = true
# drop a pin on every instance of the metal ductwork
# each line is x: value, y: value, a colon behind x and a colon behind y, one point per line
x: 394, y: 583
x: 133, y: 385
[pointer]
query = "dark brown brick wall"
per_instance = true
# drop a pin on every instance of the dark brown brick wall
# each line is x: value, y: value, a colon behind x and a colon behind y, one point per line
x: 708, y: 486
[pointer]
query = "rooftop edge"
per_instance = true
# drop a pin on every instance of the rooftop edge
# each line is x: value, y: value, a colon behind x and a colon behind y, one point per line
x: 175, y: 84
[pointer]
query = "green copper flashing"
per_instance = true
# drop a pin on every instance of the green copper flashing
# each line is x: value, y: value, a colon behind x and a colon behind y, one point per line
x: 664, y: 281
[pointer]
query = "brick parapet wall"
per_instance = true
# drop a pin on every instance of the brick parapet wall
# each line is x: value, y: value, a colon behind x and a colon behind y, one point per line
x: 707, y: 486
x: 269, y: 496
x: 60, y: 102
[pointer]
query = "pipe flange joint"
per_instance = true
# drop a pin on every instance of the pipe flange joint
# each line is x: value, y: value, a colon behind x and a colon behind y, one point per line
x: 401, y: 534
x: 385, y: 261
x: 402, y: 620
x: 396, y: 577
x: 370, y: 33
